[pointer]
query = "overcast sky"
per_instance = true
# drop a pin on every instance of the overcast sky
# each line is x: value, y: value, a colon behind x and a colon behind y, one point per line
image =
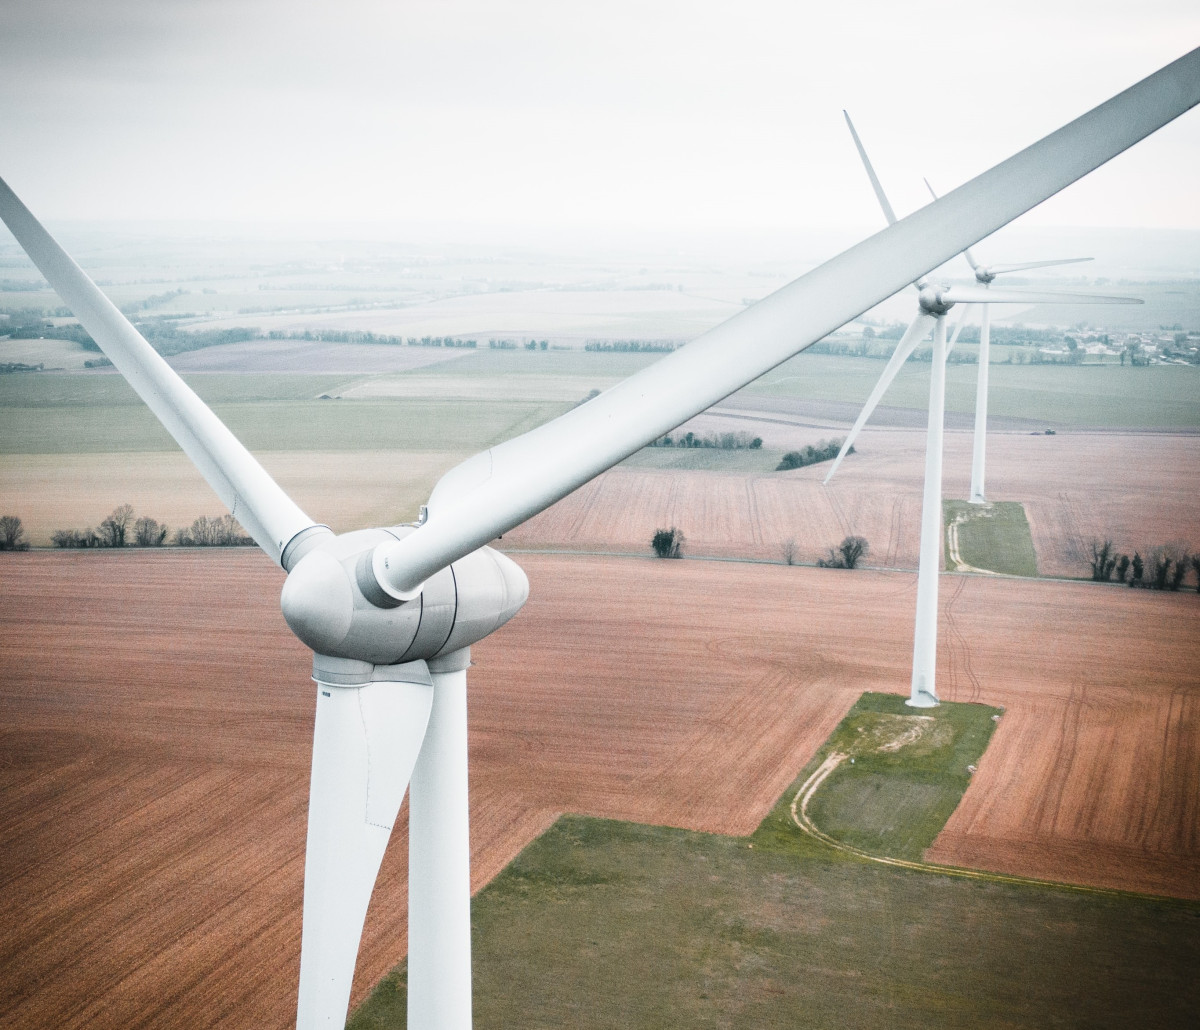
x: 659, y: 115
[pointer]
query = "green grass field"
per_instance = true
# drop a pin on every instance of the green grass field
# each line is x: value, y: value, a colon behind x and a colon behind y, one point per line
x: 894, y: 803
x: 98, y: 390
x: 602, y: 924
x: 89, y: 413
x: 992, y: 536
x: 488, y: 362
x: 1115, y: 396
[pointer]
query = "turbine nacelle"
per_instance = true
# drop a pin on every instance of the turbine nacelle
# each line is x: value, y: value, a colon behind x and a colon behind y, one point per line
x: 332, y: 603
x: 934, y: 300
x: 984, y: 275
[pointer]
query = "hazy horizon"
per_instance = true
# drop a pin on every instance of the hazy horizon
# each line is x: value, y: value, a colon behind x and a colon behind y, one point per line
x: 650, y: 117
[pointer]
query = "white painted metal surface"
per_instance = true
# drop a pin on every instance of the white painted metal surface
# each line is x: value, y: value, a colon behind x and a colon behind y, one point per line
x: 439, y: 871
x: 916, y: 332
x: 924, y: 692
x: 365, y: 744
x: 979, y: 447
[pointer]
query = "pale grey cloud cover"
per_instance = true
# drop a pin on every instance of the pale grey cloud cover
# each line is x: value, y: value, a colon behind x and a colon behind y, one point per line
x: 646, y: 114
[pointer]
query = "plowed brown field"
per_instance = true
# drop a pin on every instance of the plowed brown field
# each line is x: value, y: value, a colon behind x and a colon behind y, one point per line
x: 157, y: 714
x: 1136, y: 489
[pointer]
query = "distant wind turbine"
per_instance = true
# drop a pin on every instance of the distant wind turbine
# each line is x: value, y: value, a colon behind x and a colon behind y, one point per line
x: 985, y: 275
x: 934, y: 301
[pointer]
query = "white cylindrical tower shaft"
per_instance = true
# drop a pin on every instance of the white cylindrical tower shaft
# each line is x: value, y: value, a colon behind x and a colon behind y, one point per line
x: 924, y: 694
x: 981, y: 403
x: 439, y: 860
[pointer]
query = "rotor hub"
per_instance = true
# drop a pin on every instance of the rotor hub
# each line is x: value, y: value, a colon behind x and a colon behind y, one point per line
x: 933, y: 300
x: 331, y: 602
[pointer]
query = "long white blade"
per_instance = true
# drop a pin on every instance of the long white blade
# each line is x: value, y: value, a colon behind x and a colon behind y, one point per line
x: 888, y: 213
x: 365, y: 745
x: 966, y: 250
x: 254, y: 498
x: 974, y: 294
x: 1021, y: 267
x: 915, y: 333
x: 962, y: 320
x: 502, y: 487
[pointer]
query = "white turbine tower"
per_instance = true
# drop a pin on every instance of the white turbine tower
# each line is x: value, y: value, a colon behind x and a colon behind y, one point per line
x: 390, y: 613
x: 933, y: 303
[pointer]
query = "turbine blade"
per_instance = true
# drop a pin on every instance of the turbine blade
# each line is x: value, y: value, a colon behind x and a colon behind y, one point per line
x: 988, y: 295
x: 254, y: 498
x: 888, y: 213
x: 916, y: 332
x: 1001, y: 269
x: 966, y: 250
x: 365, y: 744
x: 502, y: 487
x: 962, y: 320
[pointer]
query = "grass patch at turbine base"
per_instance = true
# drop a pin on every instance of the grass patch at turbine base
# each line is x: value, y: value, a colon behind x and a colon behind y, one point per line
x: 992, y: 537
x: 600, y: 923
x: 904, y: 772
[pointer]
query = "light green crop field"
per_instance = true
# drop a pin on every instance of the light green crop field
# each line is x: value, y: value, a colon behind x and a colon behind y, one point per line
x: 92, y: 389
x: 1156, y: 396
x: 86, y: 414
x: 994, y: 537
x: 605, y: 364
x: 600, y: 923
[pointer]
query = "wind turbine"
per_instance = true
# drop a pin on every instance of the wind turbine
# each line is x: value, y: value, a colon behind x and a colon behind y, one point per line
x: 390, y: 614
x: 933, y: 304
x: 985, y: 275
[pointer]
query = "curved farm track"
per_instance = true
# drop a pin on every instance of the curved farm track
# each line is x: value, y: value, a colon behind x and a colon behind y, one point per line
x: 157, y: 717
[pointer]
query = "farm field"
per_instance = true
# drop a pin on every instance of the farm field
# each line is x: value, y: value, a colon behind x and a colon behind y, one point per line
x: 298, y: 357
x: 562, y: 313
x: 156, y: 748
x: 345, y: 490
x: 1066, y: 482
x: 887, y: 779
x: 1135, y: 489
x: 991, y: 537
x: 1099, y: 396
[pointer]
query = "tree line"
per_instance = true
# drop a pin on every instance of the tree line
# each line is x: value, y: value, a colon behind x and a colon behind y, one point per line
x: 122, y: 529
x: 825, y: 450
x: 631, y: 346
x: 1164, y: 567
x: 740, y: 441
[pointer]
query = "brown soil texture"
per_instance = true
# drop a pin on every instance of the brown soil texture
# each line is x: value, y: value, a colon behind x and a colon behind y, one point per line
x: 1135, y: 489
x: 157, y: 718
